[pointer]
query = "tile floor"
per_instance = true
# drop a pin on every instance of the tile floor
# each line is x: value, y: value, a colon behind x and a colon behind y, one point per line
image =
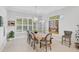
x: 21, y: 45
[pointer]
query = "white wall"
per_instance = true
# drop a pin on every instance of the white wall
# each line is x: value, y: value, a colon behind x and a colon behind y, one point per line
x: 70, y: 20
x: 2, y: 37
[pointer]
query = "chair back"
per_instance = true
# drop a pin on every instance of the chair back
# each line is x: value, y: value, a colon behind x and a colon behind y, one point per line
x: 67, y: 33
x: 48, y: 36
x: 33, y: 35
x: 27, y: 34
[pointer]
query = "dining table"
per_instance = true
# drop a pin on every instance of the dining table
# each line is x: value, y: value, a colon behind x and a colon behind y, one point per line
x: 40, y: 36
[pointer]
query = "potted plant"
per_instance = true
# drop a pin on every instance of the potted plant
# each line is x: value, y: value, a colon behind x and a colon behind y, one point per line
x: 10, y: 35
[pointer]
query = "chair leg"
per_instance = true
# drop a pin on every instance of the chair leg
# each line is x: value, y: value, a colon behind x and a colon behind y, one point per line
x: 29, y: 41
x: 31, y: 44
x: 62, y: 40
x: 46, y: 48
x: 40, y: 44
x: 34, y: 45
x: 50, y: 48
x: 69, y: 42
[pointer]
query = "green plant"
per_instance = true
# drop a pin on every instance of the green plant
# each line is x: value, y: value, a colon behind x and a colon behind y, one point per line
x: 11, y: 34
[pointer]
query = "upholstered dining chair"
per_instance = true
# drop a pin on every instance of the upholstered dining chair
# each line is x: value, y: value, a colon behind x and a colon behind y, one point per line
x: 46, y: 42
x: 67, y: 37
x: 28, y: 38
x: 34, y: 40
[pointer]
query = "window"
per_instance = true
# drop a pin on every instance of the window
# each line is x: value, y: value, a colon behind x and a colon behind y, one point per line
x: 19, y: 21
x: 30, y: 24
x: 23, y: 25
x: 19, y: 25
x: 30, y: 28
x: 19, y: 28
x: 24, y: 21
x: 1, y: 22
x: 30, y: 21
x: 24, y: 28
x: 40, y: 27
x: 34, y: 26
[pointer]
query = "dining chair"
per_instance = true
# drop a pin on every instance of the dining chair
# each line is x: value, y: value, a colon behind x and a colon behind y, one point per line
x: 46, y: 42
x: 28, y: 37
x: 66, y: 38
x: 34, y: 40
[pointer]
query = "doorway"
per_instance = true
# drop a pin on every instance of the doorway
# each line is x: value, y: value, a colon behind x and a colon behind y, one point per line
x: 54, y: 24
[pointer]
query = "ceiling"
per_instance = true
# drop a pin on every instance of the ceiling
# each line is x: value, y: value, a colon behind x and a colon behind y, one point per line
x: 39, y: 10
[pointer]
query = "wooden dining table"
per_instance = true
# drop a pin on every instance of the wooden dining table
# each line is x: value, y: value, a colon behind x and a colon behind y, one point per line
x: 39, y: 36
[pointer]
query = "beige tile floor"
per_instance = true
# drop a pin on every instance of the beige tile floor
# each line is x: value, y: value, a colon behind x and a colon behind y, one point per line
x: 21, y: 45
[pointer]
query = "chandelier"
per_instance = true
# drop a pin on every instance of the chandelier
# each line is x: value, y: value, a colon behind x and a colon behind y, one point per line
x: 35, y: 15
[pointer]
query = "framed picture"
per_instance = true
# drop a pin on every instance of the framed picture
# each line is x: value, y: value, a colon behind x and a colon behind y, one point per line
x: 11, y: 23
x: 1, y: 21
